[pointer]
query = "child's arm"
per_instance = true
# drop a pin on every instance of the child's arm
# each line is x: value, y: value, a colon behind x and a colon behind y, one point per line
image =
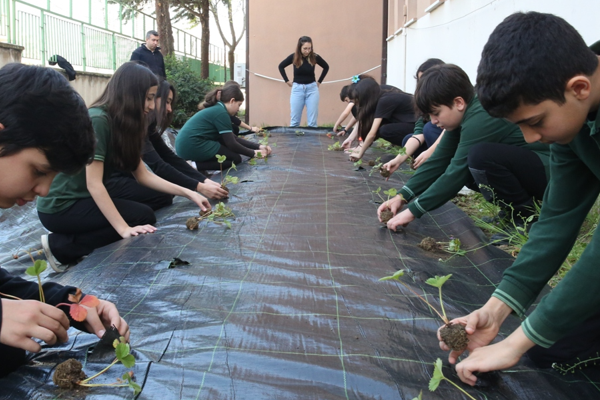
x: 424, y: 156
x: 410, y: 148
x: 94, y: 173
x: 248, y: 127
x: 352, y: 137
x: 148, y: 179
x: 358, y: 153
x: 343, y: 117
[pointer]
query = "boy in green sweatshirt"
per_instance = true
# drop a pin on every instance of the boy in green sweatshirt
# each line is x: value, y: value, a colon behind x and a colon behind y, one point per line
x: 536, y: 71
x: 477, y: 150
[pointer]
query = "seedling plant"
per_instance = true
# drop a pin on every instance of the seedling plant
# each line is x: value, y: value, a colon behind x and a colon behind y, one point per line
x: 220, y: 214
x: 335, y: 147
x: 225, y: 179
x: 69, y: 374
x: 454, y: 335
x: 386, y: 214
x: 438, y: 377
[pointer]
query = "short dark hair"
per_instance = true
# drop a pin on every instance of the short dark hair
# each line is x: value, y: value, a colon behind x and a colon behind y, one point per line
x: 151, y: 33
x: 440, y: 85
x: 431, y: 62
x: 40, y: 109
x: 529, y: 58
x: 344, y: 92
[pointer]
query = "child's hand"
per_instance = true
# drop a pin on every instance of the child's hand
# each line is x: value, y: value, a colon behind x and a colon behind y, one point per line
x: 402, y: 219
x: 136, y: 230
x: 393, y: 204
x: 26, y: 319
x: 255, y: 129
x: 424, y: 156
x: 347, y: 143
x: 102, y: 317
x: 200, y: 200
x: 265, y: 150
x: 259, y: 154
x: 391, y: 166
x: 212, y: 190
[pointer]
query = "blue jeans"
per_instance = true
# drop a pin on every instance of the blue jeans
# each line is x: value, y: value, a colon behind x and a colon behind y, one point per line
x: 304, y: 95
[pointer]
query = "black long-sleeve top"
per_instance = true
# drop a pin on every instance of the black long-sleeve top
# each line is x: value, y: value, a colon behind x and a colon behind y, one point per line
x: 19, y: 287
x: 306, y: 73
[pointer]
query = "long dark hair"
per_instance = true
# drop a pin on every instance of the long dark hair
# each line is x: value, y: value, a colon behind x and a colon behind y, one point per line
x: 124, y: 100
x: 224, y: 94
x: 366, y: 96
x: 312, y: 57
x: 164, y: 118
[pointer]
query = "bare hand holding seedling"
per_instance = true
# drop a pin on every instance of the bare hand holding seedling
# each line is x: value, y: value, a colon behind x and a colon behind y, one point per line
x: 211, y: 189
x: 402, y: 219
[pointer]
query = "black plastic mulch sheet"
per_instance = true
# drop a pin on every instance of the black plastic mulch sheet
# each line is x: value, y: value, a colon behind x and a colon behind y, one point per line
x: 287, y: 304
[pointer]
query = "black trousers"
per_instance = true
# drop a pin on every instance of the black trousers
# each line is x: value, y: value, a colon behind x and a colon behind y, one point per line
x: 81, y: 228
x: 509, y: 175
x: 395, y: 132
x: 581, y: 344
x: 122, y: 186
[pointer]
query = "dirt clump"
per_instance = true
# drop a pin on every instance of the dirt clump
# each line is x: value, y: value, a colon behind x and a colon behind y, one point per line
x: 385, y: 216
x: 205, y: 213
x: 371, y: 163
x: 384, y: 172
x: 225, y: 188
x: 429, y: 244
x: 455, y: 336
x: 192, y: 223
x: 68, y: 373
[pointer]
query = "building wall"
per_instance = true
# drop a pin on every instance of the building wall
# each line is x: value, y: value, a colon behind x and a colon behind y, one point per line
x: 9, y: 53
x: 346, y: 33
x: 457, y: 30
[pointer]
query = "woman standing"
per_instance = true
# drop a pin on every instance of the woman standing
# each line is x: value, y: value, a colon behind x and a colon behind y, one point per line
x: 305, y: 89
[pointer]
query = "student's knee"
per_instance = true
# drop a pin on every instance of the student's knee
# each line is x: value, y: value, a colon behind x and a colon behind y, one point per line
x: 479, y: 156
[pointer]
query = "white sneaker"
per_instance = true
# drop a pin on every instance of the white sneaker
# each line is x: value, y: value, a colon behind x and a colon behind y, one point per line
x: 49, y: 257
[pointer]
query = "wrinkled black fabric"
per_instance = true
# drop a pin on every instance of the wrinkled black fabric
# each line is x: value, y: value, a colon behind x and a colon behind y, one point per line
x: 287, y: 304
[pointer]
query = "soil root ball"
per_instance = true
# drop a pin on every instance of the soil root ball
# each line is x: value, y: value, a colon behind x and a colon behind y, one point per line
x: 68, y: 373
x: 205, y: 213
x: 371, y: 163
x: 455, y: 336
x: 339, y: 149
x: 225, y: 188
x: 428, y: 244
x: 384, y: 172
x: 386, y: 215
x: 192, y: 223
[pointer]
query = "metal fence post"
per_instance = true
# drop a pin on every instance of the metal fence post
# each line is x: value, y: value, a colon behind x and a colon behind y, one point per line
x: 43, y: 37
x: 83, y: 53
x: 114, y: 52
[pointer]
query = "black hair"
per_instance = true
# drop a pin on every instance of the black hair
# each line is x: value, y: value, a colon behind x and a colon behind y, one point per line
x: 344, y: 92
x: 40, y: 109
x: 163, y: 118
x: 366, y: 93
x: 432, y: 62
x: 529, y: 58
x: 440, y: 85
x: 124, y: 99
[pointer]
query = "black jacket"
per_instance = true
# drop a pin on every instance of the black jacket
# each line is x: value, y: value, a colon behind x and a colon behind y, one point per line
x: 154, y: 59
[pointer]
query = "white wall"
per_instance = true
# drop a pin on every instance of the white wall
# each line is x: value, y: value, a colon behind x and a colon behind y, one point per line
x: 457, y: 31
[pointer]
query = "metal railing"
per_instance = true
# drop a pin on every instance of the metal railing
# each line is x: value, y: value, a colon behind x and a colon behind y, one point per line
x: 91, y: 34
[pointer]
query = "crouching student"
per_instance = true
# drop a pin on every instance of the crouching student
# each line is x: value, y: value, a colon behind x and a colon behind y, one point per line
x: 34, y: 147
x: 537, y: 72
x: 383, y: 112
x: 79, y: 210
x: 209, y: 132
x: 446, y: 94
x: 162, y: 161
x: 425, y: 137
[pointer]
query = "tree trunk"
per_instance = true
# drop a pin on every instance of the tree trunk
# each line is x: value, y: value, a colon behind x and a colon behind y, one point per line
x: 231, y: 54
x: 165, y: 30
x: 204, y: 21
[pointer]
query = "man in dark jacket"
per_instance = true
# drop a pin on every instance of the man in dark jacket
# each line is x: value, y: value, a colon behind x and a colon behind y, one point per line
x: 149, y: 53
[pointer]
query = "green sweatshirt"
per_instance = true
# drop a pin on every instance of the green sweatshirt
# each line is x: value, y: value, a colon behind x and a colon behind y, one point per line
x: 573, y: 188
x: 446, y: 172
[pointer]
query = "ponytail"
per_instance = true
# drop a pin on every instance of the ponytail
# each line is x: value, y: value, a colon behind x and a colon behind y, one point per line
x: 224, y: 94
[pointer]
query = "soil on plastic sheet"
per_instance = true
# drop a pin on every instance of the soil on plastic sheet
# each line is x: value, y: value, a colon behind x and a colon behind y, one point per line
x: 192, y: 223
x: 386, y: 215
x: 68, y: 373
x: 429, y: 244
x: 455, y: 336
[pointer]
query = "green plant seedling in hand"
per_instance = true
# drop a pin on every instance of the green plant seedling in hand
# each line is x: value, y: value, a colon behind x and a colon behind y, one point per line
x: 438, y: 377
x: 36, y: 269
x: 77, y: 312
x: 358, y: 163
x: 335, y: 147
x: 419, y: 397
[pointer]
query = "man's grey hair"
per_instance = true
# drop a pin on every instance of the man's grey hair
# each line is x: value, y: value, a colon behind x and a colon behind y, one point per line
x: 151, y: 33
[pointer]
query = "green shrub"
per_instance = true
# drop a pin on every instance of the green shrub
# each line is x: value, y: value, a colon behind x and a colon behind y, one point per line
x: 191, y: 89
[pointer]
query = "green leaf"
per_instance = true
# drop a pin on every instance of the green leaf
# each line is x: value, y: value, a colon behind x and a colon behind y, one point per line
x: 37, y: 268
x: 128, y: 361
x: 233, y: 166
x: 377, y: 191
x: 391, y: 192
x: 227, y: 223
x: 122, y: 351
x: 396, y: 276
x: 136, y: 388
x: 437, y: 281
x: 220, y: 158
x: 420, y: 396
x: 437, y: 377
x: 234, y: 180
x: 252, y: 161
